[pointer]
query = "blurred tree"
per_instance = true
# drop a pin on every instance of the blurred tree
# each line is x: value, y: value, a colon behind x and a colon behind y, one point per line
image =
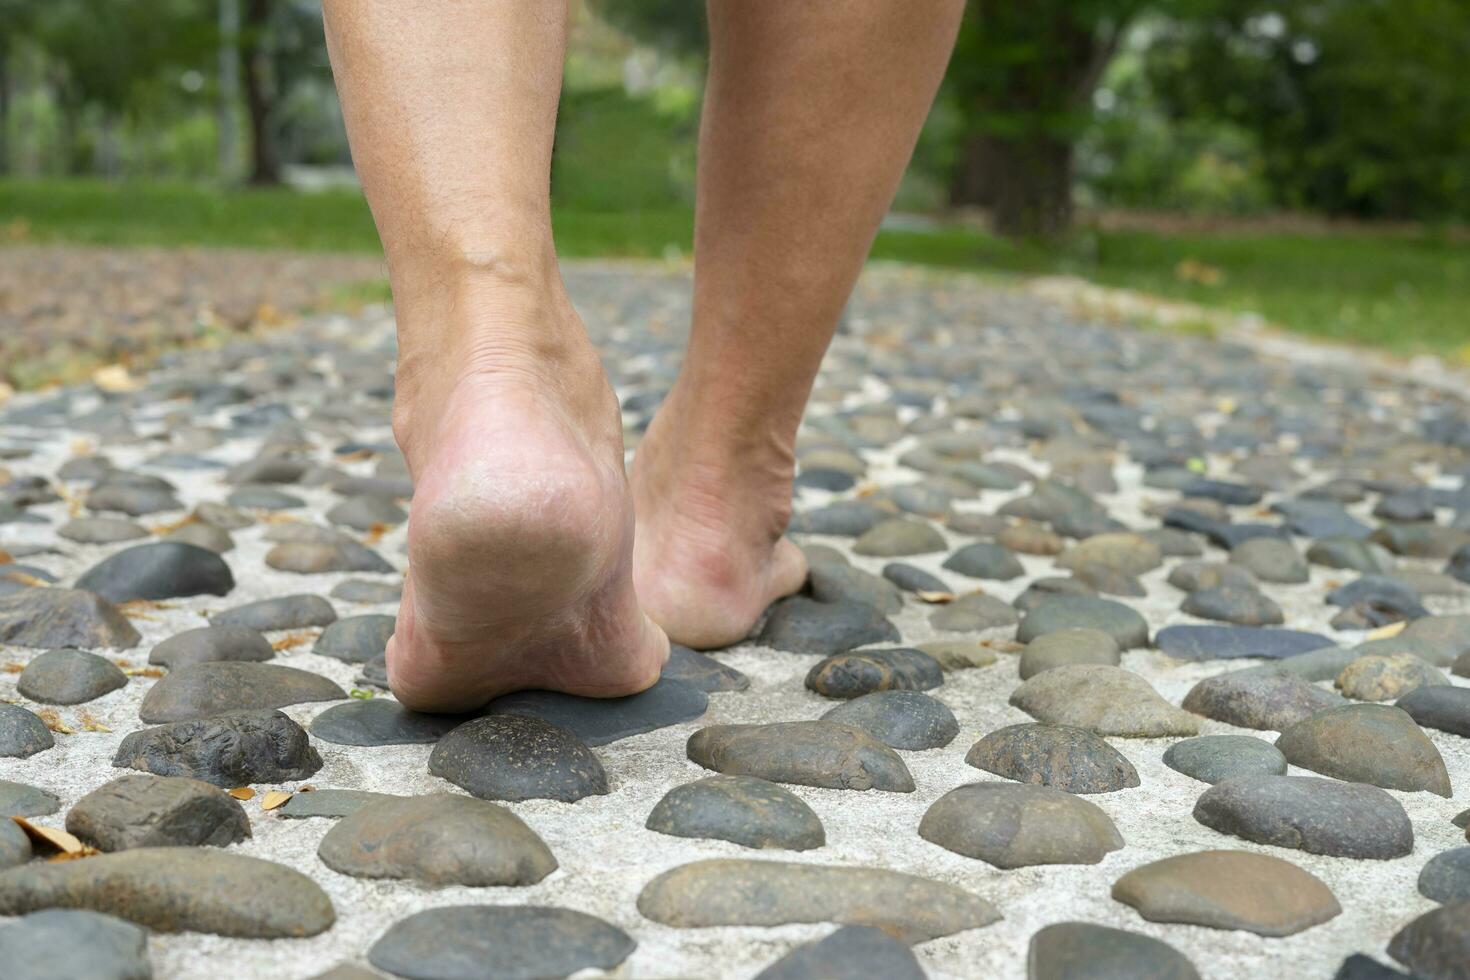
x: 260, y: 91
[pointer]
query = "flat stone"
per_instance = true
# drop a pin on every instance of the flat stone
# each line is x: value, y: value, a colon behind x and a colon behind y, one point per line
x: 22, y: 734
x: 1272, y: 560
x: 355, y: 639
x: 1215, y: 758
x: 228, y: 750
x: 203, y: 535
x: 1131, y: 554
x: 1191, y: 576
x: 1319, y: 816
x: 741, y: 809
x: 1444, y: 708
x: 176, y: 889
x: 59, y: 618
x: 1367, y: 743
x: 801, y: 625
x: 257, y: 497
x: 1084, y: 951
x: 1383, y: 678
x: 851, y: 675
x: 15, y: 844
x: 212, y: 643
x: 135, y: 501
x: 1042, y: 589
x: 843, y: 518
x: 1436, y: 945
x: 1446, y: 876
x: 1126, y: 626
x: 1013, y: 825
x: 440, y: 839
x: 362, y: 590
x: 366, y: 512
x: 1233, y: 605
x: 1101, y: 699
x: 1450, y: 635
x: 807, y: 753
x: 517, y: 757
x: 1229, y: 890
x: 1314, y: 665
x: 901, y: 719
x: 1069, y: 646
x: 851, y: 952
x: 911, y: 578
x: 701, y: 671
x: 973, y: 614
x: 508, y: 942
x: 210, y: 688
x: 162, y: 570
x: 1360, y: 967
x: 288, y: 612
x: 899, y: 537
x: 1272, y: 699
x: 308, y: 558
x: 328, y: 803
x: 69, y: 677
x: 838, y: 583
x: 984, y: 560
x: 1352, y: 554
x: 1192, y: 642
x: 738, y: 892
x: 599, y: 721
x: 1070, y: 759
x: 21, y: 800
x: 101, y: 530
x: 958, y: 654
x: 140, y: 810
x: 74, y: 943
x: 381, y: 721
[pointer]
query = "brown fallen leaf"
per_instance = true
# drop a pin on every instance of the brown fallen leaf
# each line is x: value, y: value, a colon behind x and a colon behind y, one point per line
x: 86, y: 852
x: 25, y: 579
x: 375, y: 533
x: 242, y: 793
x: 1384, y: 632
x: 115, y: 378
x: 935, y: 596
x: 169, y: 527
x: 12, y: 667
x: 131, y: 605
x: 275, y: 798
x: 356, y: 456
x: 6, y: 557
x: 90, y: 723
x: 274, y: 517
x: 53, y: 721
x: 291, y: 640
x: 143, y: 671
x: 53, y: 838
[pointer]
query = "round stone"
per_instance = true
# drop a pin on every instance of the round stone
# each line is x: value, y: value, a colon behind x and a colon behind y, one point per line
x: 1367, y: 743
x: 983, y: 560
x: 851, y: 675
x: 15, y: 845
x: 599, y: 721
x: 289, y: 612
x: 22, y: 734
x: 852, y: 951
x: 381, y: 721
x: 21, y: 800
x: 1084, y: 951
x: 1069, y: 759
x: 1126, y: 626
x: 801, y: 625
x: 973, y: 614
x: 1444, y: 708
x: 69, y: 677
x: 911, y: 578
x: 140, y: 810
x: 63, y: 618
x: 1233, y: 605
x: 702, y: 671
x: 899, y: 537
x: 901, y: 719
x: 1437, y: 944
x: 807, y: 753
x: 58, y: 943
x: 1383, y: 678
x: 164, y: 570
x: 212, y: 687
x: 1101, y: 699
x: 1271, y: 560
x: 1070, y: 646
x: 1446, y: 876
x: 203, y: 535
x: 958, y: 654
x: 361, y: 590
x: 741, y: 809
x: 516, y: 757
x: 211, y: 643
x: 355, y: 639
x: 1271, y: 698
x: 366, y: 512
x: 1215, y: 758
x: 100, y: 530
x: 1319, y: 816
x: 311, y: 558
x: 1131, y: 554
x: 1017, y: 826
x: 1191, y: 576
x: 228, y: 750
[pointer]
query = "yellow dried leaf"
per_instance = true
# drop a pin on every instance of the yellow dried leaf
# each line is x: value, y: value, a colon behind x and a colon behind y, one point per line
x: 291, y: 641
x: 53, y: 721
x: 275, y: 517
x: 168, y: 527
x: 25, y: 579
x: 12, y: 667
x: 275, y: 798
x: 90, y: 723
x: 82, y: 446
x: 356, y: 456
x: 86, y: 852
x: 54, y: 838
x: 934, y: 596
x: 375, y: 533
x: 115, y: 378
x: 5, y: 392
x: 243, y: 793
x: 6, y: 557
x: 1384, y: 632
x: 143, y: 671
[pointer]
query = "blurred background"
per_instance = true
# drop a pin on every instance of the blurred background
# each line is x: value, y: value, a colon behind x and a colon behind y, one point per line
x: 172, y: 171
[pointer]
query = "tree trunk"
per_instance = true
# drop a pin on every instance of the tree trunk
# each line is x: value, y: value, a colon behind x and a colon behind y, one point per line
x: 265, y: 167
x: 973, y: 181
x: 1032, y: 193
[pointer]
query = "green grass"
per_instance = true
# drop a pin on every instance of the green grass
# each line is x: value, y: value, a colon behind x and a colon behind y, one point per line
x: 1400, y: 291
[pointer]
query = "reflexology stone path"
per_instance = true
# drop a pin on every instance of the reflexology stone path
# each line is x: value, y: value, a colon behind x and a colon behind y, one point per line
x: 1203, y: 609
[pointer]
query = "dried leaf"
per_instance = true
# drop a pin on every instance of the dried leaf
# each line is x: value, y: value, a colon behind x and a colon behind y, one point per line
x: 243, y: 793
x: 1384, y: 632
x: 90, y: 723
x: 25, y: 579
x: 53, y: 721
x: 356, y: 456
x: 143, y: 671
x: 169, y: 527
x: 115, y: 378
x: 275, y: 798
x: 275, y: 517
x: 86, y: 852
x: 82, y: 446
x: 52, y: 837
x: 375, y: 533
x: 6, y: 557
x: 934, y: 596
x: 291, y: 640
x: 12, y: 667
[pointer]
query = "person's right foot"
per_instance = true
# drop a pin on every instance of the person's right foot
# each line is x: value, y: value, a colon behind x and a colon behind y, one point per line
x: 520, y: 537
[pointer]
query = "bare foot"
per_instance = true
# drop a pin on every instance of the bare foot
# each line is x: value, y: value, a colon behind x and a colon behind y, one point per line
x: 520, y: 538
x: 710, y: 555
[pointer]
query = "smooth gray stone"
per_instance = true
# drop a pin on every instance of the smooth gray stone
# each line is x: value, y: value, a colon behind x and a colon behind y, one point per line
x: 22, y: 734
x: 205, y: 536
x: 973, y: 614
x: 701, y: 671
x: 1105, y: 700
x: 901, y: 719
x: 807, y: 753
x: 1444, y: 708
x: 101, y: 530
x: 361, y: 590
x: 1070, y: 759
x: 1215, y: 758
x: 1450, y: 635
x: 162, y: 570
x: 842, y: 518
x: 366, y: 512
x: 205, y: 689
x: 1360, y: 967
x: 801, y: 625
x: 1446, y: 876
x: 507, y: 942
x: 439, y: 839
x: 851, y: 675
x: 1191, y: 576
x: 1191, y: 642
x: 984, y: 560
x: 850, y: 953
x: 355, y: 639
x: 1084, y: 951
x: 1246, y: 607
x: 741, y: 892
x: 1071, y: 646
x: 171, y: 889
x: 911, y: 578
x: 517, y: 757
x: 1315, y: 665
x: 1367, y: 743
x: 1351, y: 554
x: 288, y: 612
x: 899, y: 537
x: 15, y: 844
x: 330, y: 803
x: 830, y: 582
x: 1126, y: 626
x: 257, y: 497
x: 309, y: 558
x: 1272, y: 560
x: 1011, y: 825
x: 228, y: 750
x: 1266, y: 699
x: 211, y: 643
x: 21, y: 800
x: 69, y: 677
x: 142, y: 810
x: 57, y: 944
x: 135, y: 501
x: 60, y: 618
x: 741, y: 809
x: 1319, y: 816
x: 598, y: 721
x: 1435, y: 946
x: 381, y: 721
